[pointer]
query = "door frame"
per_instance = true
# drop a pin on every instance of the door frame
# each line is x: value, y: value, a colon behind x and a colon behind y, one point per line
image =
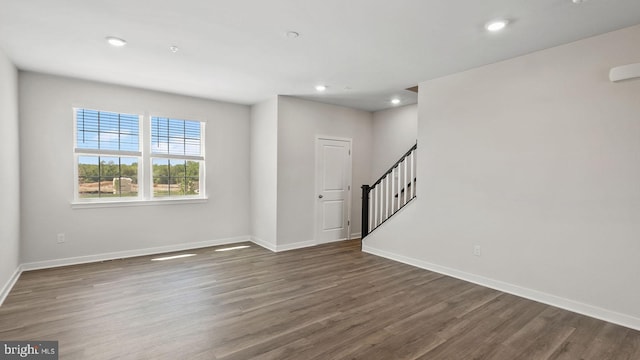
x: 316, y: 228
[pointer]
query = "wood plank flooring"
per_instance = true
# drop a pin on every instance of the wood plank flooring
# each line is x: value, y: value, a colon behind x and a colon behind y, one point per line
x: 326, y: 302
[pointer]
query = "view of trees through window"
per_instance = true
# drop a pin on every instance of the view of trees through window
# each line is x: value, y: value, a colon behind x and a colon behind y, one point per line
x: 102, y: 176
x: 175, y: 177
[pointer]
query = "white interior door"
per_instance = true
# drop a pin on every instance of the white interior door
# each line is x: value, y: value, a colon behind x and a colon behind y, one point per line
x: 333, y: 189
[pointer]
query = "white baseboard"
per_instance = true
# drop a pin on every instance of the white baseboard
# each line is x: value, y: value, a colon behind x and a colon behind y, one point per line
x: 9, y: 285
x: 567, y: 304
x: 129, y: 253
x: 357, y: 235
x: 337, y: 240
x: 279, y: 248
x: 297, y: 245
x: 292, y: 246
x: 265, y: 244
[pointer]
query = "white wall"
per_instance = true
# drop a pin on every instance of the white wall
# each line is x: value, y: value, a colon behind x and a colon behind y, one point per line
x: 47, y: 173
x: 264, y: 171
x: 299, y: 121
x: 395, y: 131
x: 537, y: 160
x: 10, y: 174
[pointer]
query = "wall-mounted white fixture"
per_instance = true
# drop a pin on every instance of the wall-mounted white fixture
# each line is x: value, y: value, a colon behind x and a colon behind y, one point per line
x: 624, y: 72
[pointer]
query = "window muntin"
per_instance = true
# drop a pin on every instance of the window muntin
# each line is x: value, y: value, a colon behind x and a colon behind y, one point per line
x: 176, y: 137
x: 103, y: 130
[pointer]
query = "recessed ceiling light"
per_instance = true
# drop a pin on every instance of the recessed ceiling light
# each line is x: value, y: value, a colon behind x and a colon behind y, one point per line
x: 395, y: 101
x: 174, y: 49
x: 578, y: 1
x: 496, y: 25
x: 114, y: 41
x: 292, y: 34
x: 321, y: 88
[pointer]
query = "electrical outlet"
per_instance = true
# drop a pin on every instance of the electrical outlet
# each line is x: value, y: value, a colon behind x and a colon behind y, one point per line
x: 61, y: 238
x: 477, y: 251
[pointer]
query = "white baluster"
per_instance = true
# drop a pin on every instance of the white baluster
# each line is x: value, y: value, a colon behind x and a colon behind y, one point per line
x: 370, y: 213
x: 404, y: 183
x: 379, y: 203
x: 394, y: 187
x: 382, y: 207
x: 393, y: 179
x: 386, y: 212
x: 413, y: 176
x: 375, y: 206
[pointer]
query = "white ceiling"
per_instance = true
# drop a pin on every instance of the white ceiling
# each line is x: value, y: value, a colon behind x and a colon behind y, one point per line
x: 365, y: 51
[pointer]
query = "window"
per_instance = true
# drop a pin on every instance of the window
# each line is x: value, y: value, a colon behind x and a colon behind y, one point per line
x: 177, y: 161
x: 112, y: 163
x: 107, y: 154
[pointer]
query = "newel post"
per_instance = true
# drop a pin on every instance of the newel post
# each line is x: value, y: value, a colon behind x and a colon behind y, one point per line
x: 365, y: 211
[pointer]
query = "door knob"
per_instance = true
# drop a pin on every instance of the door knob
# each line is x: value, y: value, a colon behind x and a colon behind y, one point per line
x: 320, y: 196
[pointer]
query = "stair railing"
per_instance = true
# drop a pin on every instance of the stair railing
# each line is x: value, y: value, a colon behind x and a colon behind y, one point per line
x: 393, y: 190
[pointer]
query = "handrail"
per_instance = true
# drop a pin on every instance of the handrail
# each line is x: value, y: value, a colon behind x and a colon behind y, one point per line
x: 389, y: 192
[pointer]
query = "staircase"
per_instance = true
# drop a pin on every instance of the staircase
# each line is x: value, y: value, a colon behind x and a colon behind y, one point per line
x: 395, y: 189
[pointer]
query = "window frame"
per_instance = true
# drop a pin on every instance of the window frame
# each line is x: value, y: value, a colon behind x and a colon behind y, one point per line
x: 79, y: 152
x: 201, y: 159
x: 145, y: 158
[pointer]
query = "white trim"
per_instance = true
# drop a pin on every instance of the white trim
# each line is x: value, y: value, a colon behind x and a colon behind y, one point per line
x: 331, y: 137
x: 6, y: 289
x: 293, y: 246
x: 137, y: 202
x: 333, y: 241
x: 130, y: 253
x: 176, y: 157
x: 296, y: 245
x: 267, y: 245
x: 567, y: 304
x: 99, y: 152
x: 357, y: 235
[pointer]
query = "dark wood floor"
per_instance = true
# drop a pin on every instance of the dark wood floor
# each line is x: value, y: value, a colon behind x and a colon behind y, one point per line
x: 327, y: 302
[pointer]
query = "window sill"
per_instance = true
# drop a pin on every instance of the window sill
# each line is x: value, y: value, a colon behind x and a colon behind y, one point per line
x: 128, y: 203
